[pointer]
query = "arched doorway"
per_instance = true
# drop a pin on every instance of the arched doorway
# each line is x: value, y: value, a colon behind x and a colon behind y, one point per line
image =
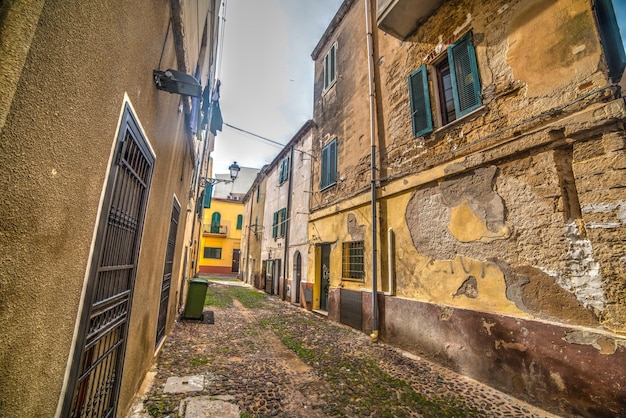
x: 297, y: 274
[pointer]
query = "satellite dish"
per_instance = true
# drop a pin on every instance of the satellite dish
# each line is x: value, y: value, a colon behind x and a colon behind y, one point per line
x: 177, y: 82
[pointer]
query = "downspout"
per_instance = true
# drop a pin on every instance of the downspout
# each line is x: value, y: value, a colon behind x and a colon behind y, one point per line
x: 370, y: 70
x: 287, y: 222
x: 248, y: 232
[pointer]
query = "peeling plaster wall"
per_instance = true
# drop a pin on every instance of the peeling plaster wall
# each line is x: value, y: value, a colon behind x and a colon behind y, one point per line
x: 509, y: 225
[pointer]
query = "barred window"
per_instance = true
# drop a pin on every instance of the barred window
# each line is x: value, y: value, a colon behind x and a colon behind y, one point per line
x: 352, y: 260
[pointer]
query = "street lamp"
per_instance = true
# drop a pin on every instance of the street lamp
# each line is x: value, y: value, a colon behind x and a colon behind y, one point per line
x: 234, y: 172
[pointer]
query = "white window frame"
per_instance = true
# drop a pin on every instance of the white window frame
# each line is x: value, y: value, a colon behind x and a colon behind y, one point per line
x: 330, y: 67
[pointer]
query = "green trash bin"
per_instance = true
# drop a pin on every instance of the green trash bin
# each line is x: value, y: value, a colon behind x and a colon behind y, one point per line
x: 195, y: 298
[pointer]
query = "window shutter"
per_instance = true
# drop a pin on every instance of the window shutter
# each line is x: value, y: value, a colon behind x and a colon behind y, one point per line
x: 216, y: 219
x: 324, y: 168
x: 464, y: 74
x: 420, y: 102
x: 333, y: 60
x: 611, y: 40
x: 239, y: 221
x: 283, y: 221
x: 332, y: 174
x: 275, y: 225
x: 208, y: 192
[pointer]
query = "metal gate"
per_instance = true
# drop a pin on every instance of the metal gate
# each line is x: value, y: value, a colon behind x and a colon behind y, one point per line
x: 96, y: 370
x: 167, y: 273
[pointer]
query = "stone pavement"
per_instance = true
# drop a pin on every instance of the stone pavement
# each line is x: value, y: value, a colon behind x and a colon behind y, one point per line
x: 266, y: 357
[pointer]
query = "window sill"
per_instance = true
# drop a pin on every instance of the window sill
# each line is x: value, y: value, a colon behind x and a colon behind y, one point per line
x: 323, y: 189
x: 460, y: 120
x: 329, y: 88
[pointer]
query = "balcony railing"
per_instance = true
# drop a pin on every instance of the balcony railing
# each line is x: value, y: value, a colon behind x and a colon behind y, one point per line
x: 215, y: 230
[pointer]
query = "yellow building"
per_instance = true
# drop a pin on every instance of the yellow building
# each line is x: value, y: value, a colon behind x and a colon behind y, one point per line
x: 220, y: 242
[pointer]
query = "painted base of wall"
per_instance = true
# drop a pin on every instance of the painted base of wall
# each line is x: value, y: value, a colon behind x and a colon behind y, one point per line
x: 561, y: 368
x: 216, y: 270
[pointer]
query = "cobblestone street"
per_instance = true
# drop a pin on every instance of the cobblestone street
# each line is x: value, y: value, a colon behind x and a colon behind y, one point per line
x: 265, y: 357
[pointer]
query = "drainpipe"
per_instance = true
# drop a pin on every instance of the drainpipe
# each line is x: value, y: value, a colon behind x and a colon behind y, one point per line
x: 390, y: 258
x: 248, y: 232
x: 370, y: 70
x: 287, y: 222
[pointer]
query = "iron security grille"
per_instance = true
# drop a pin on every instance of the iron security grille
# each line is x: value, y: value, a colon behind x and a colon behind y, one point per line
x: 99, y: 355
x: 167, y: 273
x: 351, y: 312
x: 352, y: 260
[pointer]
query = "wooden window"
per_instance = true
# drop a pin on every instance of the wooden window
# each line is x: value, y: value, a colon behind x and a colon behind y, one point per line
x: 612, y: 44
x: 239, y: 221
x: 216, y: 219
x: 420, y: 102
x: 328, y: 175
x: 330, y: 67
x: 213, y: 252
x: 283, y: 173
x: 457, y: 83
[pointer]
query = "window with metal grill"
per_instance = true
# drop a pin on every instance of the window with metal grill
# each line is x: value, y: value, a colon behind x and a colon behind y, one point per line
x: 352, y: 266
x: 455, y: 78
x: 212, y: 252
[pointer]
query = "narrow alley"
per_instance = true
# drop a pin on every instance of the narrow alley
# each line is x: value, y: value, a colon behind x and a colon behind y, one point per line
x: 265, y: 357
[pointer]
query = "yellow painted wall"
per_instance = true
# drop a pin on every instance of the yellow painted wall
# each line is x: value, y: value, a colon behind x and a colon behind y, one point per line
x: 353, y: 224
x: 229, y: 210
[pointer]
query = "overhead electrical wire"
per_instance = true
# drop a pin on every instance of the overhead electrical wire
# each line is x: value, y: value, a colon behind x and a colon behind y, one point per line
x: 270, y: 141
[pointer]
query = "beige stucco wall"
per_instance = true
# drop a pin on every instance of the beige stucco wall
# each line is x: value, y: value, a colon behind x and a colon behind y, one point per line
x: 56, y: 145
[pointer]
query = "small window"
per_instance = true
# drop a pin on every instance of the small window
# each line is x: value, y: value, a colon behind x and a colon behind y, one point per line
x: 239, y: 221
x: 353, y: 260
x: 283, y: 173
x: 212, y: 252
x: 609, y: 27
x: 216, y: 220
x: 328, y: 175
x: 283, y: 221
x: 279, y: 223
x: 258, y: 192
x: 456, y: 80
x: 330, y: 67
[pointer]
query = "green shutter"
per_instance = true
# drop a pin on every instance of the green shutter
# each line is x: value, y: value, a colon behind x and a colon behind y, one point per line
x: 328, y: 175
x: 275, y: 225
x: 208, y: 192
x: 283, y: 221
x: 611, y: 39
x: 421, y: 115
x: 324, y: 168
x: 332, y: 174
x: 239, y: 221
x: 464, y: 74
x: 216, y: 219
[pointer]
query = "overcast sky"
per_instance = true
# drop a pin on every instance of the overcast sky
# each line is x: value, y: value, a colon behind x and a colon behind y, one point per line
x: 267, y: 75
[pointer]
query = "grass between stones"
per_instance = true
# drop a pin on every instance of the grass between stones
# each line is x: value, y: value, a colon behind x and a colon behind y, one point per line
x: 223, y: 297
x: 357, y: 386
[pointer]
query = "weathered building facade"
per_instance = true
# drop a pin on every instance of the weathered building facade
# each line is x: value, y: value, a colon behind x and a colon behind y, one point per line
x: 284, y: 235
x: 96, y: 172
x: 253, y: 228
x: 497, y: 232
x: 222, y: 224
